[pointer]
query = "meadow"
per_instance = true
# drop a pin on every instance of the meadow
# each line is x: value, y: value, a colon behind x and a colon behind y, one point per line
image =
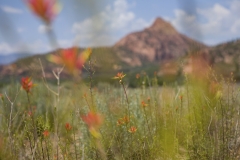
x: 75, y: 120
x: 80, y: 119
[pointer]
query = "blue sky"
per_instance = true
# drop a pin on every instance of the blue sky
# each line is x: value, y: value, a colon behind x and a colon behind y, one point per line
x: 90, y: 23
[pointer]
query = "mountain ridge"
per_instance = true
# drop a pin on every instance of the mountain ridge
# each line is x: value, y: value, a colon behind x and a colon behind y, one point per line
x: 152, y: 46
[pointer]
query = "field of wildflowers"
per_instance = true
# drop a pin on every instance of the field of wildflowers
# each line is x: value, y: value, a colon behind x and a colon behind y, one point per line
x: 74, y: 120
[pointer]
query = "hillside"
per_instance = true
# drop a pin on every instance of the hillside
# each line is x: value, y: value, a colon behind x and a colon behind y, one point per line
x: 226, y: 57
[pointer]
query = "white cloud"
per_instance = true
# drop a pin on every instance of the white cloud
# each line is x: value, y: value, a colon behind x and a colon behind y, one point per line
x: 65, y: 43
x: 5, y: 48
x: 211, y: 25
x: 35, y: 47
x: 43, y: 29
x: 109, y: 25
x: 13, y: 10
x: 186, y: 23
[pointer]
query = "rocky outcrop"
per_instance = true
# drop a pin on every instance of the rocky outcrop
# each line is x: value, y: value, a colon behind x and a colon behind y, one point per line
x: 157, y: 43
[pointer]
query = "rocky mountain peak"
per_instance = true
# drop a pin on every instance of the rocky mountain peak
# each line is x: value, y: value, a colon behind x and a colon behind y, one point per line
x: 162, y: 26
x: 157, y: 43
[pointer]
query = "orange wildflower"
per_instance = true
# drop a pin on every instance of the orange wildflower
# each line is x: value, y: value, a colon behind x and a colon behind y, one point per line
x: 44, y: 9
x: 93, y: 120
x: 132, y: 129
x: 27, y: 84
x: 124, y: 120
x: 46, y: 133
x: 68, y: 126
x: 181, y: 97
x: 119, y: 76
x: 143, y: 104
x: 119, y: 122
x: 72, y: 60
x: 137, y: 75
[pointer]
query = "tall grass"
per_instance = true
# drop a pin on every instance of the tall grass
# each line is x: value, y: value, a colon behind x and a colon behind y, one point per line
x: 199, y: 120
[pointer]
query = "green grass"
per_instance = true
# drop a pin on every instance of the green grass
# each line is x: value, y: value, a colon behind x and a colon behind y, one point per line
x: 198, y: 120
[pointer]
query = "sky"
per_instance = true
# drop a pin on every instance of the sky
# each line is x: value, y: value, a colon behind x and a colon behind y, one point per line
x: 91, y: 23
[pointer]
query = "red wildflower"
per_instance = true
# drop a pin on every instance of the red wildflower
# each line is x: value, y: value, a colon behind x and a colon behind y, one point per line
x: 46, y: 133
x: 27, y: 84
x: 68, y: 126
x: 93, y: 120
x: 132, y: 129
x: 44, y: 9
x: 71, y: 59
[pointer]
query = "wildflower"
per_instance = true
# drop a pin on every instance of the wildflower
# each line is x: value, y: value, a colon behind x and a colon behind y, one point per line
x: 68, y: 126
x: 143, y: 104
x: 71, y: 59
x: 124, y: 120
x: 30, y: 113
x: 119, y: 76
x: 94, y: 121
x: 85, y: 95
x: 119, y: 122
x: 27, y: 84
x: 46, y: 10
x: 181, y: 97
x: 46, y: 133
x: 132, y: 129
x: 137, y: 75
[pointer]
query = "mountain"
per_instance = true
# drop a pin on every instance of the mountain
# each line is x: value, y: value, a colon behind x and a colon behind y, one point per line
x: 157, y: 43
x: 156, y: 48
